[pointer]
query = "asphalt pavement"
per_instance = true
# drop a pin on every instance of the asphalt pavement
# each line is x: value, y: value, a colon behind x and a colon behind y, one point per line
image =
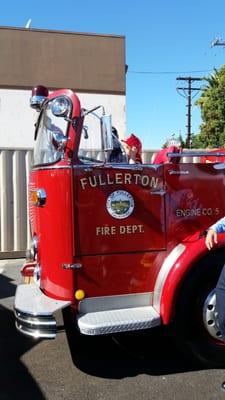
x: 143, y: 365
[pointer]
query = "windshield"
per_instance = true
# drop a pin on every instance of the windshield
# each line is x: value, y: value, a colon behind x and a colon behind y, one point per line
x: 45, y: 151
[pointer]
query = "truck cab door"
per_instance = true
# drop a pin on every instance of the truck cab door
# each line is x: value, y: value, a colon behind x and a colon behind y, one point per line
x: 119, y: 209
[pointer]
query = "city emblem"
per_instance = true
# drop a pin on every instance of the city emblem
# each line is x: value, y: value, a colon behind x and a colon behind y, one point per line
x: 120, y: 204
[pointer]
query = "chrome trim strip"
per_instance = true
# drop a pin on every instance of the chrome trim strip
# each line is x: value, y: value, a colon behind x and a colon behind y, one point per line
x: 194, y: 154
x: 72, y: 266
x: 98, y: 165
x: 106, y: 303
x: 89, y: 167
x: 173, y: 172
x: 164, y: 272
x: 117, y: 166
x: 219, y: 166
x: 52, y: 167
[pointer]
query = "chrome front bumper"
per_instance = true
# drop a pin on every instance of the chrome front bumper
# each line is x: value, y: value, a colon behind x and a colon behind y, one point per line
x: 34, y: 312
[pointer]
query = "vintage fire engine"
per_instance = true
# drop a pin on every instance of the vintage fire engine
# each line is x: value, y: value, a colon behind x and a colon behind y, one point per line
x: 122, y: 245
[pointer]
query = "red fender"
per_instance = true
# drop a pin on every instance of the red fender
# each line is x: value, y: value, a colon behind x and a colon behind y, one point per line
x: 189, y: 253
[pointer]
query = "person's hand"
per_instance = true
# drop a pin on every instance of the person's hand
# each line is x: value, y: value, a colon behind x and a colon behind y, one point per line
x: 211, y: 239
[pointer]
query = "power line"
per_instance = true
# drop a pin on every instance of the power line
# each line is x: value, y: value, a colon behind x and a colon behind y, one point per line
x: 168, y: 72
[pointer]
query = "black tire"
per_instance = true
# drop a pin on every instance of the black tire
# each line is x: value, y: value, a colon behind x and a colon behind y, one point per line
x: 192, y: 336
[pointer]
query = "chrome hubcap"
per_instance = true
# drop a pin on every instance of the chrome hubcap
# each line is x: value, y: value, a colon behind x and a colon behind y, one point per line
x: 210, y: 316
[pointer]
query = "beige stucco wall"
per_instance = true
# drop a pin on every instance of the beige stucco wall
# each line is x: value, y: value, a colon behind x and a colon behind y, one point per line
x: 17, y: 118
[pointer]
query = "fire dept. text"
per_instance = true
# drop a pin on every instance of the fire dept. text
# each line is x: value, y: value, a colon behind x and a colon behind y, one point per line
x: 121, y: 230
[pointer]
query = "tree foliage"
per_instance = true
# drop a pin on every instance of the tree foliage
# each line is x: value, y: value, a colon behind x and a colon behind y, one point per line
x: 212, y: 104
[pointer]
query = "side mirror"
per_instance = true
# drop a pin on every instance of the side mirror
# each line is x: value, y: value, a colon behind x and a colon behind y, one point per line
x: 106, y: 132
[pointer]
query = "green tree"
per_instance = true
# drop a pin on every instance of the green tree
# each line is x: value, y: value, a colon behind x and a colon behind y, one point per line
x: 212, y: 104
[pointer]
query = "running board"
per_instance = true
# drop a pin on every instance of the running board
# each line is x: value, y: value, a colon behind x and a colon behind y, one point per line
x: 119, y: 320
x: 34, y: 312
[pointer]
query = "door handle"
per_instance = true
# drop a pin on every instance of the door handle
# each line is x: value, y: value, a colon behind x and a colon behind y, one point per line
x: 158, y: 193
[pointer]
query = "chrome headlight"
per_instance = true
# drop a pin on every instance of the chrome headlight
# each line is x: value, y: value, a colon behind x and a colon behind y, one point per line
x: 61, y: 106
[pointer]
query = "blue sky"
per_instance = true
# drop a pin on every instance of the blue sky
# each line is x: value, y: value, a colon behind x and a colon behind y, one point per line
x: 164, y: 39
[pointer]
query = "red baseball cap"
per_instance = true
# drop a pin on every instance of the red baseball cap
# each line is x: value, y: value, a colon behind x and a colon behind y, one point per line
x: 133, y: 140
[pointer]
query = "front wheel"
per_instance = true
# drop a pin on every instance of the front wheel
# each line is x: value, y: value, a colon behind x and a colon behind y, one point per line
x: 195, y: 326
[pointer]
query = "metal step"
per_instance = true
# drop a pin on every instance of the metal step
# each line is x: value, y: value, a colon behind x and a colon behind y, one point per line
x: 120, y: 320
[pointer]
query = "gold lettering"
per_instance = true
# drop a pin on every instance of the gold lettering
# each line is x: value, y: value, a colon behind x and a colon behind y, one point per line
x: 92, y: 181
x: 101, y: 182
x: 141, y: 228
x: 129, y: 229
x: 122, y: 229
x: 108, y: 180
x: 118, y: 177
x: 179, y: 212
x: 83, y: 182
x: 98, y: 230
x: 145, y: 180
x: 105, y: 230
x: 127, y: 178
x: 154, y: 182
x: 194, y: 212
x: 137, y: 177
x: 113, y: 230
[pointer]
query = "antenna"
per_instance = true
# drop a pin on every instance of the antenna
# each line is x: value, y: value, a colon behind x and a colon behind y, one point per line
x: 217, y: 42
x: 28, y: 24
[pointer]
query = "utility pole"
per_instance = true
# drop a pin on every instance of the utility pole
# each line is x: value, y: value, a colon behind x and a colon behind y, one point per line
x: 187, y: 93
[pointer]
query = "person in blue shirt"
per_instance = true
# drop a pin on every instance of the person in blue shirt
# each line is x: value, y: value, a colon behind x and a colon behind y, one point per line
x: 211, y: 239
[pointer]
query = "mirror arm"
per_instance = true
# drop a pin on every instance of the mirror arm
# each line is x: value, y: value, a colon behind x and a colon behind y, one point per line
x: 71, y: 120
x: 85, y: 112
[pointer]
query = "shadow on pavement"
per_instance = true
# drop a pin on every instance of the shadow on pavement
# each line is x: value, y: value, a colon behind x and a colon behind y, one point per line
x: 15, y: 379
x: 129, y: 354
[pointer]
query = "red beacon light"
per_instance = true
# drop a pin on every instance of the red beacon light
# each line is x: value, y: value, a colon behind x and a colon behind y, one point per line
x: 38, y: 95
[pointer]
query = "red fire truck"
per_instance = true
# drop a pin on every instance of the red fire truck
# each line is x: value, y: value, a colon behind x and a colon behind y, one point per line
x: 121, y: 245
